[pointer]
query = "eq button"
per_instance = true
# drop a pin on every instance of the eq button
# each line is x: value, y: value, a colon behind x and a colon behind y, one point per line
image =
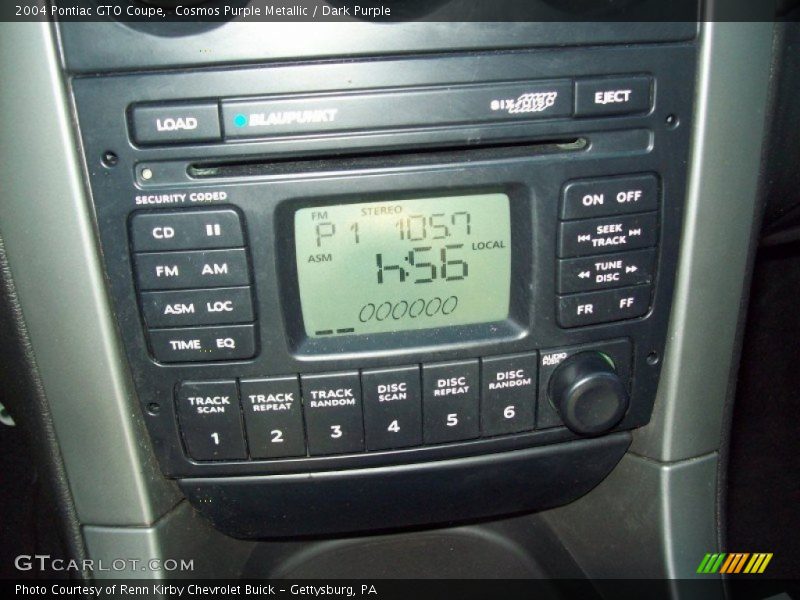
x: 332, y: 406
x: 211, y: 421
x: 392, y: 408
x: 450, y: 395
x: 199, y: 344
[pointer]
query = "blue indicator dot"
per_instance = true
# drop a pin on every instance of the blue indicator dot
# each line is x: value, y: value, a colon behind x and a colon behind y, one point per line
x: 240, y: 120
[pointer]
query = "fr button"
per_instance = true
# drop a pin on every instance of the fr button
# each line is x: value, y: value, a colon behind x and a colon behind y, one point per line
x: 332, y: 405
x: 450, y: 397
x: 603, y: 307
x: 392, y: 408
x: 273, y: 417
x: 509, y: 394
x: 210, y: 420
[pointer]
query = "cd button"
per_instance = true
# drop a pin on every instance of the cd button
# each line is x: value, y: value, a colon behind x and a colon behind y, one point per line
x: 273, y: 417
x: 332, y: 406
x: 509, y: 394
x: 210, y: 420
x: 603, y: 307
x: 188, y: 230
x: 198, y: 269
x: 392, y: 408
x: 450, y: 397
x: 601, y: 236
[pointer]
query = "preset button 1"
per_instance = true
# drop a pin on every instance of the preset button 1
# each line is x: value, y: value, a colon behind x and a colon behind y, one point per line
x: 509, y: 393
x: 210, y: 420
x: 273, y: 417
x: 392, y: 408
x: 450, y: 396
x: 332, y: 405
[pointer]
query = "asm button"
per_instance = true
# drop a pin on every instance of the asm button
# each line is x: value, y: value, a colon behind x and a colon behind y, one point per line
x: 197, y: 307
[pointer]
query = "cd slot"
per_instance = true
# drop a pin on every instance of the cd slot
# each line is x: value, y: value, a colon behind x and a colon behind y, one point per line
x: 374, y: 160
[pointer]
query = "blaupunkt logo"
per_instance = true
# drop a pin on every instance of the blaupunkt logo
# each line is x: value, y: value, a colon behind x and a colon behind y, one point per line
x: 734, y: 563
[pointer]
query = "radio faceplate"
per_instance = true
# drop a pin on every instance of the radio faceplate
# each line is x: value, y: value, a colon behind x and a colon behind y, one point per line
x: 587, y: 275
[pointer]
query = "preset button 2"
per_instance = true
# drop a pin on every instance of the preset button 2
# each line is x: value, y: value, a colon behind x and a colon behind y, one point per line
x: 451, y: 396
x: 332, y: 405
x: 273, y: 417
x: 392, y: 408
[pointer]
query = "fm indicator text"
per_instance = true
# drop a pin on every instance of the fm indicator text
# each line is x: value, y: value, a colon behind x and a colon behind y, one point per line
x: 403, y: 265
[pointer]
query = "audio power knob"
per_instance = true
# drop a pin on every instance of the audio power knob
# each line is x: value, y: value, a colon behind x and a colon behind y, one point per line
x: 588, y: 394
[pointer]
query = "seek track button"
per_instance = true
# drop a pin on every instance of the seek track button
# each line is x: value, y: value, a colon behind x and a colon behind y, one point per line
x: 601, y: 236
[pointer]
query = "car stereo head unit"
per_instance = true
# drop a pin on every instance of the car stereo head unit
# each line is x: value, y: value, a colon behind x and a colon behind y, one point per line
x: 468, y: 256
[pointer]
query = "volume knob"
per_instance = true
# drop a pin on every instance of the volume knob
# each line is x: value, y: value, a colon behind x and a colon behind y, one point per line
x: 588, y: 394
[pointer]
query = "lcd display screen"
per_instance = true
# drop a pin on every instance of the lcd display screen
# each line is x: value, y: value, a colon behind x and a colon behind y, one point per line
x: 403, y: 265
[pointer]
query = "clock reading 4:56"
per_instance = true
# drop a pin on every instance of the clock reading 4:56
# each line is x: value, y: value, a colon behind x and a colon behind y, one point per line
x: 405, y: 264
